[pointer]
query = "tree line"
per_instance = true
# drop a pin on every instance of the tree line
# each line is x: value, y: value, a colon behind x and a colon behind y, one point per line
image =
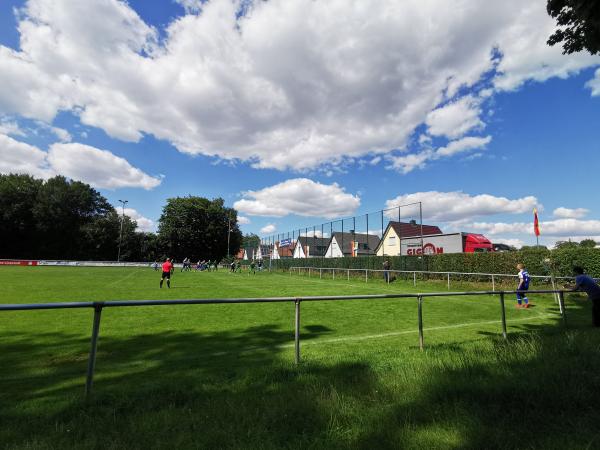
x: 60, y: 218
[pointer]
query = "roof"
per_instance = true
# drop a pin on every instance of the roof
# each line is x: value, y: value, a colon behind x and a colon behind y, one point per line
x: 287, y: 251
x: 404, y: 229
x: 318, y: 246
x: 372, y: 241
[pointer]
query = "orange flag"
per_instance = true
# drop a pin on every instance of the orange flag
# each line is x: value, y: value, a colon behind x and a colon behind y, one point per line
x: 536, y: 223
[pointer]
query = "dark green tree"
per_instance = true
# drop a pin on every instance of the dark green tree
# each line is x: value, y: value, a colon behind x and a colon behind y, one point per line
x: 197, y: 228
x: 565, y: 244
x: 579, y: 25
x: 250, y: 241
x: 588, y: 243
x: 63, y: 208
x: 101, y: 239
x: 18, y: 238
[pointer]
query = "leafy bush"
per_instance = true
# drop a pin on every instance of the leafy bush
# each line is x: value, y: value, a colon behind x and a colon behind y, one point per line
x: 539, y: 261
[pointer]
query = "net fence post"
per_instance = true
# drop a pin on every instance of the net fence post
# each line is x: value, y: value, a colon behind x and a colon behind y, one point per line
x: 297, y: 331
x: 420, y: 314
x: 563, y: 311
x: 93, y: 348
x: 556, y: 300
x: 502, y: 308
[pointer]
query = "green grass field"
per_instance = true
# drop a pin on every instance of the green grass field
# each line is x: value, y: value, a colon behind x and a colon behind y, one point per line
x: 223, y: 376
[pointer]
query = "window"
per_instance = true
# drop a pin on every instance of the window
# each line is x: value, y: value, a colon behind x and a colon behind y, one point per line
x: 392, y: 241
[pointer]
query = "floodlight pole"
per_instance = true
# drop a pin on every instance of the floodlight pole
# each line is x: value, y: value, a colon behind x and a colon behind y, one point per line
x: 123, y: 203
x: 228, y: 233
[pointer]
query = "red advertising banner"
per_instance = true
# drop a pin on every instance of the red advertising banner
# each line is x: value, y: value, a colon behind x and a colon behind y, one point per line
x: 18, y: 262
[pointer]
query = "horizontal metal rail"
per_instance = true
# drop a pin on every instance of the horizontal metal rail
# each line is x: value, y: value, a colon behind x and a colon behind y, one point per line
x: 98, y: 306
x: 426, y: 272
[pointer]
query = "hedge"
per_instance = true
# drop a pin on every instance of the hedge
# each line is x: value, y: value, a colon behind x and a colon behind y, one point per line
x: 538, y: 262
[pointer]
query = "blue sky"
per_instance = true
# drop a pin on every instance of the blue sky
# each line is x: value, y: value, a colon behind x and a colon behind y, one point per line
x: 300, y: 112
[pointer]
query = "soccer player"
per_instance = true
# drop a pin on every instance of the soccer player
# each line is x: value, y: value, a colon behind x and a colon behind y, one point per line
x: 167, y: 268
x: 252, y: 268
x: 587, y: 284
x: 522, y: 300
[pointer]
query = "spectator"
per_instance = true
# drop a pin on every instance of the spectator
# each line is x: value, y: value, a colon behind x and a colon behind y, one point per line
x: 588, y: 285
x: 386, y: 271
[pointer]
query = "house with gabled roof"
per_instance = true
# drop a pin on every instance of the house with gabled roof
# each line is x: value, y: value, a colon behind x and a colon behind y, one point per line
x: 310, y: 247
x: 351, y: 244
x: 395, y: 231
x: 263, y: 251
x: 287, y: 250
x: 249, y: 253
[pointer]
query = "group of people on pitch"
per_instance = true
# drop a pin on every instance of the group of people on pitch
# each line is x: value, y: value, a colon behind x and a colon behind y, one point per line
x: 583, y: 282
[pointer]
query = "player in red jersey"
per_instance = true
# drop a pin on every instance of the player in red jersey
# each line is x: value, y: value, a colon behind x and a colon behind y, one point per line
x: 167, y: 268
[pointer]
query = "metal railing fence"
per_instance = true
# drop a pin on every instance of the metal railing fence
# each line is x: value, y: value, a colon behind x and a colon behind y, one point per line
x: 494, y: 278
x: 98, y: 306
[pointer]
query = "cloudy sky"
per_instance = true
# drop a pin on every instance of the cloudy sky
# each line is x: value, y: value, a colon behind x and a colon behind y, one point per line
x: 298, y: 112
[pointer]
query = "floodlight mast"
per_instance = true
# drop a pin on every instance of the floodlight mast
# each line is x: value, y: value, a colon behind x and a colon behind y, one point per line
x: 123, y: 203
x: 228, y: 233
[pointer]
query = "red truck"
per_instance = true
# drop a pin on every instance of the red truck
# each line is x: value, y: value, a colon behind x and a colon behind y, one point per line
x: 435, y: 244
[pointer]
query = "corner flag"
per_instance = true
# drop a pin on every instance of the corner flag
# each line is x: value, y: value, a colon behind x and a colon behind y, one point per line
x: 536, y: 223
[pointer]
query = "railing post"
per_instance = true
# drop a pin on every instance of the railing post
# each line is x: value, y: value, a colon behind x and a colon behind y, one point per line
x: 366, y: 275
x: 309, y: 272
x: 94, y: 346
x: 556, y: 300
x: 297, y: 331
x: 333, y: 273
x: 320, y: 273
x: 563, y: 311
x: 504, y: 334
x: 448, y: 280
x: 420, y: 313
x: 348, y: 274
x: 415, y: 279
x: 494, y: 283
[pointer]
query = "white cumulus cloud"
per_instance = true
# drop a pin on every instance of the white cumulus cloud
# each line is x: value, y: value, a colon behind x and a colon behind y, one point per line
x: 454, y: 206
x: 300, y: 196
x: 288, y: 84
x: 455, y: 119
x: 19, y: 157
x: 10, y: 127
x: 594, y: 84
x: 569, y: 213
x: 270, y: 228
x: 408, y: 163
x: 97, y: 167
x: 242, y: 220
x: 143, y: 223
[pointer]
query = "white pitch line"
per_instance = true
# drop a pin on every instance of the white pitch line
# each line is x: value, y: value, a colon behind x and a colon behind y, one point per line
x: 120, y: 280
x: 384, y: 335
x: 398, y: 333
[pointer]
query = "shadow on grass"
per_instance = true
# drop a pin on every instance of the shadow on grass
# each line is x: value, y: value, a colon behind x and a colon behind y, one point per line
x: 239, y: 389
